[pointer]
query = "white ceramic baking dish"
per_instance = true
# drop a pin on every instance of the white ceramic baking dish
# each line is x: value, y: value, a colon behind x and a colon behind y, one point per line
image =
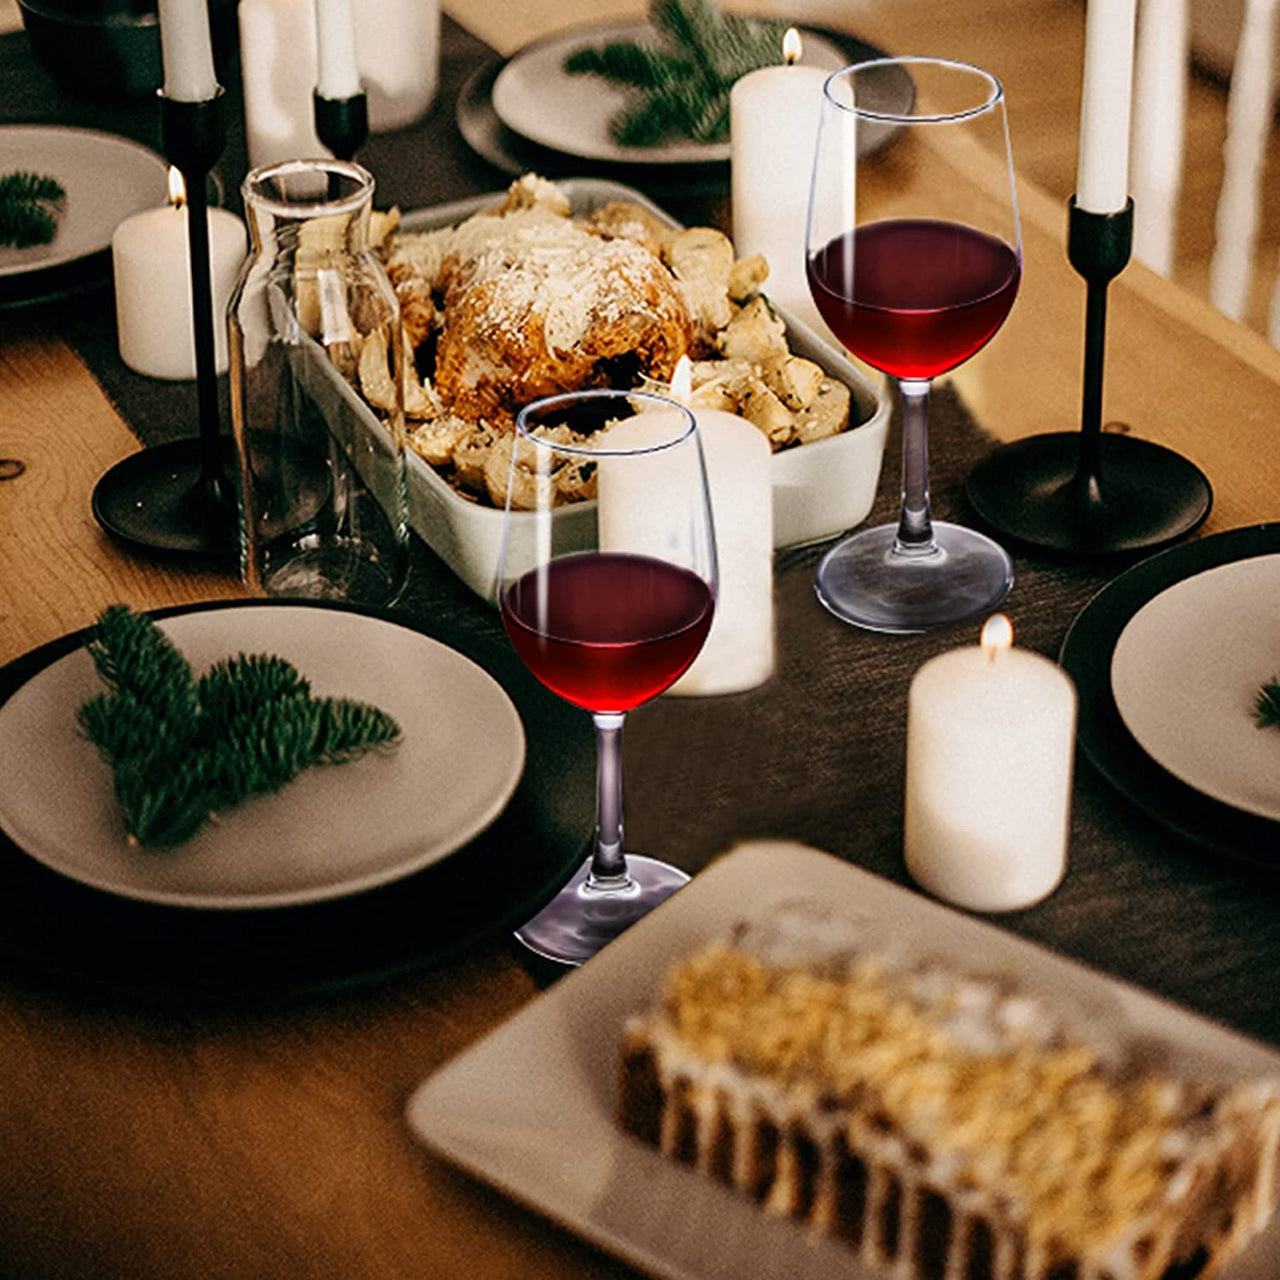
x: 819, y: 490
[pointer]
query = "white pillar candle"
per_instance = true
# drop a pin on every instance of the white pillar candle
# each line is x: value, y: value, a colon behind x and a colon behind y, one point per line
x: 739, y: 650
x: 773, y: 125
x: 990, y: 742
x: 186, y: 49
x: 398, y: 52
x: 152, y: 267
x: 336, y: 74
x: 278, y: 68
x: 1102, y: 177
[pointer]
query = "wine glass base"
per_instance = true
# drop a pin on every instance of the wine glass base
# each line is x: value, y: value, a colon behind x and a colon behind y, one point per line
x: 578, y: 921
x: 1147, y: 495
x: 154, y: 501
x: 865, y: 581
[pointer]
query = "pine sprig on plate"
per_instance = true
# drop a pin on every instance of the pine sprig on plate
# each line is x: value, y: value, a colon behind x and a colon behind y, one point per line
x: 1266, y: 707
x: 30, y: 206
x: 681, y: 86
x: 183, y: 749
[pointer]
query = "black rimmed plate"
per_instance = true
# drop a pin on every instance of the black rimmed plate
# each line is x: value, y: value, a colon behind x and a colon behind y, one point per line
x: 515, y: 154
x: 106, y: 178
x: 1103, y: 736
x: 325, y: 915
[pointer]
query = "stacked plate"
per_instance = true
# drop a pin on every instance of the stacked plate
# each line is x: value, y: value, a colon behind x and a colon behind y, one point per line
x: 1169, y: 660
x: 527, y: 113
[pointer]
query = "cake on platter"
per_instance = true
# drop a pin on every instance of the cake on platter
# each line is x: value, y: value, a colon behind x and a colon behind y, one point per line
x: 946, y: 1126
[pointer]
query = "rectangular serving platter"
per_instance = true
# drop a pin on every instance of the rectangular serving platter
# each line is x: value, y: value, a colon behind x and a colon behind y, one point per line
x: 530, y: 1107
x: 819, y: 489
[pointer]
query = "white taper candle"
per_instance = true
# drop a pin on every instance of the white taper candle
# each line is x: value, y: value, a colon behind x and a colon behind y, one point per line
x: 1102, y: 178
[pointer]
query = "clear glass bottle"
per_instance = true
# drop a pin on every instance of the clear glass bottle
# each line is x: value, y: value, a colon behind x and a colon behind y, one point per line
x: 317, y: 391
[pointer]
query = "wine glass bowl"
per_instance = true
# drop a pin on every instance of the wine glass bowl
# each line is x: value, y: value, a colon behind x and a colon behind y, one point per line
x: 913, y: 277
x: 606, y: 615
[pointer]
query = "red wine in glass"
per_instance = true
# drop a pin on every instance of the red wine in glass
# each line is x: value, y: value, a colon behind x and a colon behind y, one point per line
x: 608, y: 631
x: 914, y: 297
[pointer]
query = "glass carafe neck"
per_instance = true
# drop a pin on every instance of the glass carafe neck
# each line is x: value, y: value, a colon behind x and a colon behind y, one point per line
x: 332, y: 199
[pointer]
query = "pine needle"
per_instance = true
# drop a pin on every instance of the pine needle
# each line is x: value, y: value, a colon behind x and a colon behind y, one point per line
x: 680, y: 88
x: 182, y: 750
x: 1267, y: 706
x: 30, y: 206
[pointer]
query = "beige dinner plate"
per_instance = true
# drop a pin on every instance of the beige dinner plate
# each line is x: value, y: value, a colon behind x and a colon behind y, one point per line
x: 1185, y: 675
x: 334, y: 830
x: 537, y: 98
x: 106, y: 179
x: 530, y: 1107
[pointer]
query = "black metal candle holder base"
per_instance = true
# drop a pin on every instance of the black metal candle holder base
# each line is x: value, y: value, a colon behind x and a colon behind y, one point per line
x: 1086, y: 491
x: 158, y: 500
x: 177, y: 498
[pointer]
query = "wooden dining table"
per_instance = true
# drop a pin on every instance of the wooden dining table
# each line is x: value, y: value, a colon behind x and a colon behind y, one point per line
x: 267, y: 1138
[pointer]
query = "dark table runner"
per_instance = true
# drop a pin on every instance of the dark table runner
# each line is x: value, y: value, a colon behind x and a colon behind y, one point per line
x: 817, y: 754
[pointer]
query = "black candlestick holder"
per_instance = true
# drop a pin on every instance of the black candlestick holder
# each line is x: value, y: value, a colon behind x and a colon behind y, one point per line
x: 1091, y: 492
x: 342, y: 124
x: 177, y: 497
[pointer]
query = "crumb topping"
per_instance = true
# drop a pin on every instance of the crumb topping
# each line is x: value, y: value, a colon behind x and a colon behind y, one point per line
x: 1083, y: 1149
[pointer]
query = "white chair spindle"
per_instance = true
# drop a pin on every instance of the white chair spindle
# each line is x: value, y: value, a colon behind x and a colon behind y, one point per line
x: 1159, y: 128
x: 1249, y: 113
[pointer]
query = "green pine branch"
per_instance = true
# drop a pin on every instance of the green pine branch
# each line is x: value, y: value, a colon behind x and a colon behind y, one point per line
x: 30, y: 206
x: 680, y: 88
x: 1267, y: 706
x: 182, y: 750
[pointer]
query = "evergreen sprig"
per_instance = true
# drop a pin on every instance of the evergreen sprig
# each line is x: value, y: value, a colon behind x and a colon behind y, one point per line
x: 1266, y: 707
x: 681, y: 86
x: 182, y: 749
x: 30, y: 206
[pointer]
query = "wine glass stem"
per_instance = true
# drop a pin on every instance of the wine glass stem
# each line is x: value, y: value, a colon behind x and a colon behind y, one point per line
x: 608, y: 863
x: 915, y: 529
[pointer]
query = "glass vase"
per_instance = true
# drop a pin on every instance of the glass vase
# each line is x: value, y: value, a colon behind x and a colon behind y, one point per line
x: 317, y: 391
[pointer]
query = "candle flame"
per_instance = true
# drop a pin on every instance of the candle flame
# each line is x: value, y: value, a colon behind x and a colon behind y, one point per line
x: 682, y: 382
x: 792, y: 47
x: 177, y: 187
x: 997, y: 635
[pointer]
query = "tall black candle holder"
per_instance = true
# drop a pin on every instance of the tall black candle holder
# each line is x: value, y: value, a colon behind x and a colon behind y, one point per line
x: 1088, y: 491
x: 342, y: 124
x: 177, y: 497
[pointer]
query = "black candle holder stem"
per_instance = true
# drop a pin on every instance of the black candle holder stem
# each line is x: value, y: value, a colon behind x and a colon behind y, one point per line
x: 342, y: 124
x: 1092, y: 492
x: 177, y: 497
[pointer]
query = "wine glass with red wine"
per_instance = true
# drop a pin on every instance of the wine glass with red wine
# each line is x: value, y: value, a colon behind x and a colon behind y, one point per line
x: 914, y: 273
x: 608, y: 604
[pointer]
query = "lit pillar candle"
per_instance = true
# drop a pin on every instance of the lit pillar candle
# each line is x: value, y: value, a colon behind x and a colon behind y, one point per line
x: 151, y: 263
x: 1102, y: 177
x: 278, y: 68
x: 186, y: 50
x: 773, y: 124
x: 990, y: 742
x: 336, y: 74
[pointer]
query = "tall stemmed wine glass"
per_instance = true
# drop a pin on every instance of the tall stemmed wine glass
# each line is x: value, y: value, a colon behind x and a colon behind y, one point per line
x: 914, y: 271
x: 607, y: 603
